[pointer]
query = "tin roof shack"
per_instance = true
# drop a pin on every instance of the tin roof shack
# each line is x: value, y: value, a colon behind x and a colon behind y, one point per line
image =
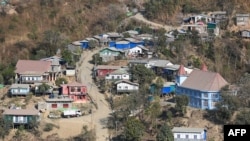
x: 242, y: 19
x: 17, y: 117
x: 189, y: 134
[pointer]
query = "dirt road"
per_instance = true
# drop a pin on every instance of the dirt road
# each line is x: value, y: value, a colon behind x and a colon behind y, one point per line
x: 99, y: 117
x: 140, y: 17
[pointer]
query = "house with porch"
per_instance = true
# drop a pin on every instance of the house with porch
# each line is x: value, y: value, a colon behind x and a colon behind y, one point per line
x: 201, y: 86
x: 19, y: 90
x: 21, y: 116
x: 120, y: 74
x: 189, y: 134
x: 57, y: 64
x: 31, y: 71
x: 125, y: 86
x: 75, y: 91
x: 101, y: 71
x: 110, y: 54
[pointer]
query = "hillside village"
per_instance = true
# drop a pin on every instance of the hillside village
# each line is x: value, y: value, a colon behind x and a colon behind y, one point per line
x: 103, y: 85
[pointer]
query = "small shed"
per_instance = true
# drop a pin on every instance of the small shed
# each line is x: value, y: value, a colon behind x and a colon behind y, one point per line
x: 245, y: 33
x: 168, y: 88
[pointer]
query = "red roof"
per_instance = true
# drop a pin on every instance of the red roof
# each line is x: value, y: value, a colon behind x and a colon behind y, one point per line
x: 204, y: 81
x: 32, y: 66
x: 181, y: 70
x: 204, y: 67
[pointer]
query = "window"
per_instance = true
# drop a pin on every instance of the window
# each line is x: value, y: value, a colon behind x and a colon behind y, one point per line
x: 78, y: 89
x: 186, y: 136
x: 178, y: 136
x: 65, y: 105
x: 205, y: 103
x: 118, y: 77
x: 205, y: 95
x: 195, y: 136
x: 54, y: 105
x: 214, y: 95
x: 126, y: 87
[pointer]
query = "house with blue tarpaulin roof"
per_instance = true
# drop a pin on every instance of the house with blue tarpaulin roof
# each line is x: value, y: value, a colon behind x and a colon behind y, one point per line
x: 168, y: 87
x: 122, y: 45
x: 133, y: 42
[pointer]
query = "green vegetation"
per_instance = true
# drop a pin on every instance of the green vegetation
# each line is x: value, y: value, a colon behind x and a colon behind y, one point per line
x: 165, y: 133
x: 181, y: 104
x: 61, y: 80
x: 134, y: 129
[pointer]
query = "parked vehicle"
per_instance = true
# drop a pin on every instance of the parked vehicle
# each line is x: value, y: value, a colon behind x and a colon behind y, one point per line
x: 72, y: 113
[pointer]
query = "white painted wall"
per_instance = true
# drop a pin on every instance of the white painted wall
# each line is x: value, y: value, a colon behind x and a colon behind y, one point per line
x: 135, y: 50
x: 190, y: 135
x: 126, y: 86
x: 70, y: 72
x: 117, y: 76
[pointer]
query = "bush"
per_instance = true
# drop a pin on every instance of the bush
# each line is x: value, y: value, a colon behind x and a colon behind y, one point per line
x: 48, y: 127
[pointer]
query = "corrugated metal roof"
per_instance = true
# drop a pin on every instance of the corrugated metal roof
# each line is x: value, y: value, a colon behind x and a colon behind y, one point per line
x: 120, y: 71
x: 107, y: 67
x: 126, y: 81
x: 21, y: 112
x: 32, y: 66
x: 187, y: 130
x: 204, y: 81
x: 19, y: 86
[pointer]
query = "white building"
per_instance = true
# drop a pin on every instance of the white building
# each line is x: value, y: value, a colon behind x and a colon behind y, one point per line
x: 189, y: 134
x: 126, y: 86
x: 120, y: 74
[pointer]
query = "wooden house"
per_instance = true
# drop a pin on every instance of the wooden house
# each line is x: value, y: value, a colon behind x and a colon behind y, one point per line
x: 19, y: 89
x: 245, y: 33
x: 189, y: 134
x: 31, y: 71
x: 21, y: 116
x: 124, y: 86
x: 110, y: 54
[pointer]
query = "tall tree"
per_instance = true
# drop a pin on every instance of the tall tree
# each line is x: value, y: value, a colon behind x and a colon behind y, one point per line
x: 142, y: 74
x: 133, y: 129
x: 43, y: 88
x: 154, y: 110
x: 181, y: 103
x: 165, y: 133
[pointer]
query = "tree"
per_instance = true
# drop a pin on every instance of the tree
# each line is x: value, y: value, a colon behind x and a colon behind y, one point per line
x: 226, y: 107
x: 67, y: 56
x: 97, y: 59
x: 61, y: 80
x: 181, y: 103
x: 142, y: 74
x: 133, y: 129
x: 5, y: 126
x: 1, y: 79
x: 165, y: 133
x: 154, y: 110
x: 43, y: 88
x: 243, y: 118
x: 92, y: 44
